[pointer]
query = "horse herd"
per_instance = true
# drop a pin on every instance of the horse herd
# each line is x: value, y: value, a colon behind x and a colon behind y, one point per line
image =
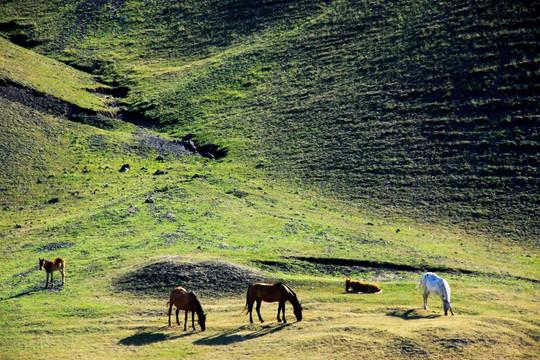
x: 259, y: 292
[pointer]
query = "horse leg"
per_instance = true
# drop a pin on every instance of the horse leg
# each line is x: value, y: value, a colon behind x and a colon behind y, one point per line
x: 185, y: 320
x: 170, y: 311
x: 47, y: 280
x: 177, y: 311
x: 426, y: 294
x: 250, y: 310
x: 193, y: 320
x: 52, y: 281
x: 283, y: 309
x: 278, y: 311
x: 258, y: 308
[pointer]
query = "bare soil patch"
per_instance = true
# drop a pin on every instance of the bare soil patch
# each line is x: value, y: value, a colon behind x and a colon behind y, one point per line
x: 56, y: 246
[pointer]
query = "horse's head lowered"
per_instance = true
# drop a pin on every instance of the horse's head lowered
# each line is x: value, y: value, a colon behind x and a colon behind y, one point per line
x: 298, y: 312
x: 447, y: 306
x: 201, y: 317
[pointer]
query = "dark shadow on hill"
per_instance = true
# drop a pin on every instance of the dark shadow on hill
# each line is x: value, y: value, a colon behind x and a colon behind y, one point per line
x: 233, y: 336
x: 148, y: 337
x: 383, y: 265
x: 411, y: 314
x: 212, y: 151
x: 16, y: 33
x: 54, y: 106
x: 334, y: 266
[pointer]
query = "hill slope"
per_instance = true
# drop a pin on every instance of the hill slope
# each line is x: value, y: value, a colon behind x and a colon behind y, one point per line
x: 429, y: 109
x: 281, y: 92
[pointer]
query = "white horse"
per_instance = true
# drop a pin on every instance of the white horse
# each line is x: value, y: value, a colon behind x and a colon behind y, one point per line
x: 437, y: 285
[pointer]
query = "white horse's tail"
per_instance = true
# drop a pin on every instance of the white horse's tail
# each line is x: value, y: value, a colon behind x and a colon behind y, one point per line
x: 421, y: 282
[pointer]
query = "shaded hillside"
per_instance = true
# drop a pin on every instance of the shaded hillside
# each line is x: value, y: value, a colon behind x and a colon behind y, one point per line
x: 427, y: 108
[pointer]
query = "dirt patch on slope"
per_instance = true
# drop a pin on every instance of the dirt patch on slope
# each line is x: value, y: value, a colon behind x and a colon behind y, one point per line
x: 208, y: 278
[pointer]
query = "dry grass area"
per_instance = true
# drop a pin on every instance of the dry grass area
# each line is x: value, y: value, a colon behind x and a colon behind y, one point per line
x: 489, y: 324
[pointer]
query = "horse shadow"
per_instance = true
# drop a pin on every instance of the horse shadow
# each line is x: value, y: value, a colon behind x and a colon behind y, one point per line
x: 31, y: 291
x: 233, y: 336
x: 149, y: 337
x: 411, y: 314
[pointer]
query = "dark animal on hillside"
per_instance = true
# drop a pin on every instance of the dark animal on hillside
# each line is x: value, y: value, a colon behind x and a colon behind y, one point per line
x: 52, y: 266
x: 358, y: 286
x: 437, y: 285
x: 271, y: 293
x: 187, y: 301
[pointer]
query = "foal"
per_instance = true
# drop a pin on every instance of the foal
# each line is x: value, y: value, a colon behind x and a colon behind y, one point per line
x: 50, y: 267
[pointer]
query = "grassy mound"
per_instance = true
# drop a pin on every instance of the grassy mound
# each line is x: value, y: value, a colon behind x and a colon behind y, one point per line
x: 209, y: 278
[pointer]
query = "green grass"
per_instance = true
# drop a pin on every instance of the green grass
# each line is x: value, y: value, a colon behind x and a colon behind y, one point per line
x: 32, y: 70
x: 364, y: 131
x: 404, y: 99
x: 216, y: 210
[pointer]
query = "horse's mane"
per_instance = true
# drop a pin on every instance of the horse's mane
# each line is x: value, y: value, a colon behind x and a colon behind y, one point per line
x: 446, y: 288
x: 292, y: 292
x: 198, y: 308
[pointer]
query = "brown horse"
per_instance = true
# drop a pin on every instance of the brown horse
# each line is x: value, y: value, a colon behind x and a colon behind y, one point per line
x: 271, y: 293
x: 187, y: 301
x: 358, y: 286
x: 50, y: 267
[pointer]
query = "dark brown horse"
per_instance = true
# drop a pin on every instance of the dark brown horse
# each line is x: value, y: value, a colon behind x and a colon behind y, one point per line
x: 358, y: 286
x: 50, y: 267
x: 271, y: 293
x: 187, y: 301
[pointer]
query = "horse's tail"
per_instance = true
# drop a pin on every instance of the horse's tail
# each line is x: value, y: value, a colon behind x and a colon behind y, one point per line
x: 248, y: 300
x: 421, y: 282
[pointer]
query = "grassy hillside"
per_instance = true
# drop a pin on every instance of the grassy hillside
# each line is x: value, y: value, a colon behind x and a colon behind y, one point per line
x: 428, y: 109
x: 360, y: 139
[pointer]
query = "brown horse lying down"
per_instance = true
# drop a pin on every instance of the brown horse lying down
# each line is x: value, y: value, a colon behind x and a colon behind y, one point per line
x: 50, y: 267
x: 187, y: 301
x: 358, y: 286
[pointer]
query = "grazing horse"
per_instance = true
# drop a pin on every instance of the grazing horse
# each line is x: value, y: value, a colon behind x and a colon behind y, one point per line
x: 50, y: 267
x: 437, y: 285
x: 187, y: 301
x: 271, y: 293
x: 358, y: 286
